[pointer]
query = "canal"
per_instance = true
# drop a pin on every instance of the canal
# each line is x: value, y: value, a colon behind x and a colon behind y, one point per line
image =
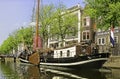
x: 10, y: 70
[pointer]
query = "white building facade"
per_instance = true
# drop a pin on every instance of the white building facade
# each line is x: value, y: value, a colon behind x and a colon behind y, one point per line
x: 77, y: 10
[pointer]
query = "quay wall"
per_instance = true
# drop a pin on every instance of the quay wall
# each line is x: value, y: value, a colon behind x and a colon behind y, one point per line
x: 113, y: 62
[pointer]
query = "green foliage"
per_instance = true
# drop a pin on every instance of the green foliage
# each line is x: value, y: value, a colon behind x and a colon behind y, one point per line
x: 60, y: 24
x: 46, y: 18
x: 8, y: 44
x: 8, y: 69
x: 105, y: 12
x: 64, y: 23
x: 23, y: 35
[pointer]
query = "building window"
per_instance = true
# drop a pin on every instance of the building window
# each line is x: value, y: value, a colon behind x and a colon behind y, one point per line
x: 86, y: 35
x: 86, y: 21
x: 101, y: 41
x: 56, y: 45
x: 116, y: 39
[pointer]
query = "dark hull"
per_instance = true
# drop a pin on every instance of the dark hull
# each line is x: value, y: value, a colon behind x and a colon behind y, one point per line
x: 79, y: 62
x: 87, y: 64
x: 89, y: 61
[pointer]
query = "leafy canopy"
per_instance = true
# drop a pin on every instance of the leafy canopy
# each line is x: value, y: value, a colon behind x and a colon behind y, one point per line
x: 105, y: 12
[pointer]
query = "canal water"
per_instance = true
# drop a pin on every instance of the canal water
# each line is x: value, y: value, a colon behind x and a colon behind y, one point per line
x: 10, y: 70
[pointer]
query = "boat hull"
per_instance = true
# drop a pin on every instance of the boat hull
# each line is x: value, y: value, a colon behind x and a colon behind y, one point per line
x: 81, y: 62
x: 88, y: 62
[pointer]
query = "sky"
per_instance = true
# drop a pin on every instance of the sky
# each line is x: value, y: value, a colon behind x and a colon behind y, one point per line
x: 15, y: 14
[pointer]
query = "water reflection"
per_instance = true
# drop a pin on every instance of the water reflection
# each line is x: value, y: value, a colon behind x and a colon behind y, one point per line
x: 10, y: 70
x: 29, y: 71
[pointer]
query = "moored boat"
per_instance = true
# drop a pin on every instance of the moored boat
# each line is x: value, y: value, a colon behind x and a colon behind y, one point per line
x: 76, y: 56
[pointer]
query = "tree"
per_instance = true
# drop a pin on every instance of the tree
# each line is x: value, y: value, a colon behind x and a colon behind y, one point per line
x: 24, y: 35
x: 46, y: 18
x: 53, y: 23
x: 8, y: 45
x: 105, y: 12
x: 63, y: 24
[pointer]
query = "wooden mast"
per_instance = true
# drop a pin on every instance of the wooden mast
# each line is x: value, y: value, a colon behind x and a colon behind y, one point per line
x: 37, y: 23
x: 35, y: 57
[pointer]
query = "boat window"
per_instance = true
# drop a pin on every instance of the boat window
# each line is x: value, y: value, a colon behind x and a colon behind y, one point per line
x: 61, y: 53
x: 68, y: 53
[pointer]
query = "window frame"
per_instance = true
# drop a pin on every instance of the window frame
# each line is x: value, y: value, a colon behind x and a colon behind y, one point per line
x: 86, y: 21
x: 116, y: 39
x: 86, y: 35
x: 101, y: 41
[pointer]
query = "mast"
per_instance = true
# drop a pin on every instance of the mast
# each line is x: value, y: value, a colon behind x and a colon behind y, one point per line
x: 35, y: 57
x: 37, y: 23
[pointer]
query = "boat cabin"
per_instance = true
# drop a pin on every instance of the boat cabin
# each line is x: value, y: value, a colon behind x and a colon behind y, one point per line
x: 76, y: 50
x: 65, y: 52
x: 70, y: 51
